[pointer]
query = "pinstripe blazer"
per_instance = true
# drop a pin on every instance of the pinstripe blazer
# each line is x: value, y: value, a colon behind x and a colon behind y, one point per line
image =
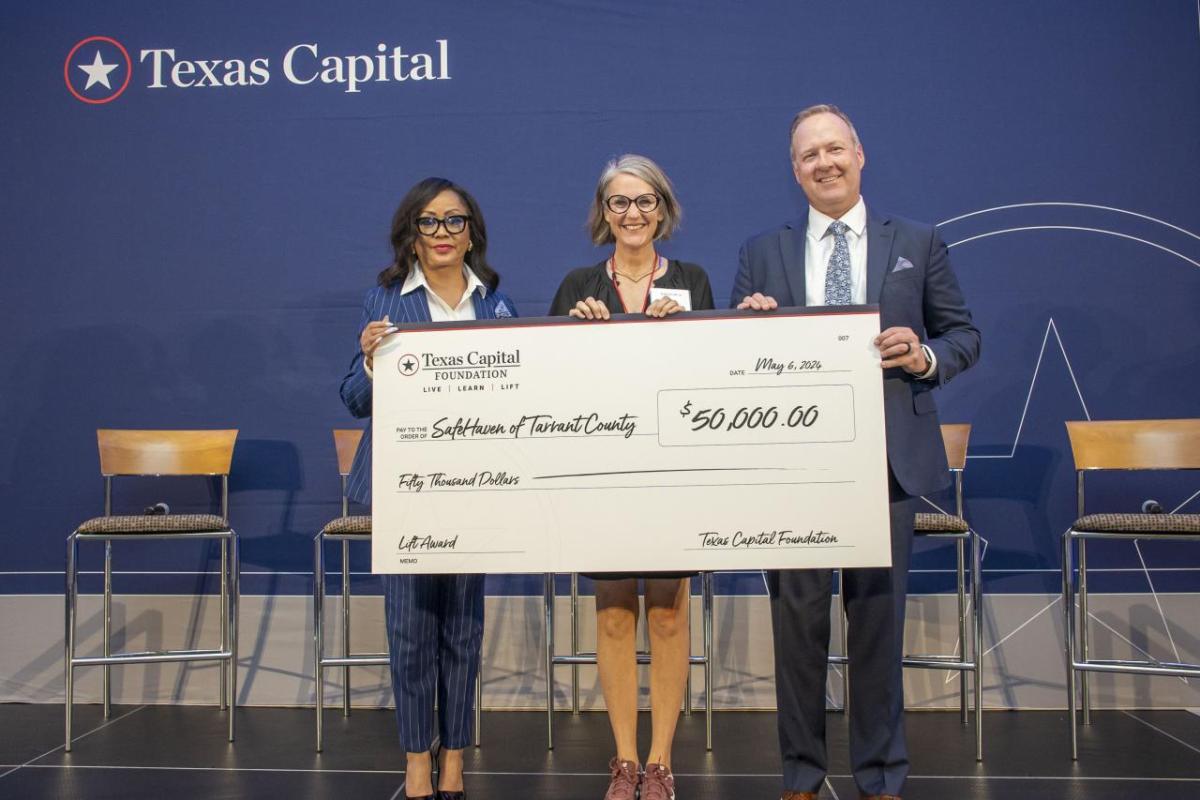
x: 356, y: 386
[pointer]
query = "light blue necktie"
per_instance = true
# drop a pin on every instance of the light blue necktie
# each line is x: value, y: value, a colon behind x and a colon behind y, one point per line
x: 837, y: 274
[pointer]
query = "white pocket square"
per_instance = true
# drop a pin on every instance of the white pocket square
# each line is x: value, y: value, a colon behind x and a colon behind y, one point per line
x: 902, y: 263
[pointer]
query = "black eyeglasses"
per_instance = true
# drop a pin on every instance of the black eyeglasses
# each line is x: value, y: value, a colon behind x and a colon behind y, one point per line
x: 455, y: 223
x: 619, y: 203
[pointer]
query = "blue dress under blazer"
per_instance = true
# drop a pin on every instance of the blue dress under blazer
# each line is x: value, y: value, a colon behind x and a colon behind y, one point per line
x: 909, y: 276
x: 434, y: 622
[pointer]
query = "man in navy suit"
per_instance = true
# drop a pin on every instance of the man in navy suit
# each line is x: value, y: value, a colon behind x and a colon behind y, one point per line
x: 839, y: 253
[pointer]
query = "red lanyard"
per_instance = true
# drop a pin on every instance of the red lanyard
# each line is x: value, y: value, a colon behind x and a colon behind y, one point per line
x: 612, y: 262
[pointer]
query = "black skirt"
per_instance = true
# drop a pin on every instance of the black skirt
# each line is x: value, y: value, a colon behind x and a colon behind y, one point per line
x: 622, y: 576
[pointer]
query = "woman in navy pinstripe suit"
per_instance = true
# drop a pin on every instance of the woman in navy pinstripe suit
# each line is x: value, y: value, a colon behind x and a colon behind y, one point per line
x: 435, y: 622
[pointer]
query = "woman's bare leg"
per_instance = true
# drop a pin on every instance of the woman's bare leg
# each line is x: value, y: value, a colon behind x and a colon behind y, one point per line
x: 670, y: 645
x: 616, y: 660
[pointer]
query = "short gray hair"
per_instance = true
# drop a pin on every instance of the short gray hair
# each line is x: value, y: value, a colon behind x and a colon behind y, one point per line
x: 821, y: 108
x: 651, y: 173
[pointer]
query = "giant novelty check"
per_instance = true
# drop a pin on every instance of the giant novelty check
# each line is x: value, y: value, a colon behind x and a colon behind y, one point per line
x: 711, y: 441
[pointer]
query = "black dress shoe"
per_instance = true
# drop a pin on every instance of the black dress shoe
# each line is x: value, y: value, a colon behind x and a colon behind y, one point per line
x: 444, y: 795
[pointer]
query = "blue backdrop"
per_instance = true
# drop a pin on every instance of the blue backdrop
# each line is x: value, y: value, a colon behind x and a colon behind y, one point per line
x: 178, y: 254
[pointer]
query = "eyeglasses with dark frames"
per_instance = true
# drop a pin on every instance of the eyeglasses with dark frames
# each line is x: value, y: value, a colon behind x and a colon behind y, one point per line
x: 619, y: 203
x: 454, y: 224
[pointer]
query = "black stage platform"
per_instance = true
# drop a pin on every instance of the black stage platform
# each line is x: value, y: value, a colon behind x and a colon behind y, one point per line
x: 181, y: 753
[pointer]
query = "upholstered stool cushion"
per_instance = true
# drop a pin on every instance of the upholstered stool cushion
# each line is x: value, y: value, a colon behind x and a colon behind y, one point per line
x: 154, y: 523
x: 940, y: 523
x: 1138, y: 523
x: 348, y: 525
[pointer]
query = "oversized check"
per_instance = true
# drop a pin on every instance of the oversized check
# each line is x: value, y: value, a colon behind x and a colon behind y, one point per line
x: 710, y: 441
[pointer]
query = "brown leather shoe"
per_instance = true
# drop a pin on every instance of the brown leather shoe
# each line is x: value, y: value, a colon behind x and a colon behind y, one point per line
x: 790, y: 795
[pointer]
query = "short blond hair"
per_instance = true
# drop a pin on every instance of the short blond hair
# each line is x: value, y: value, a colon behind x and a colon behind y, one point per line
x: 645, y: 169
x: 821, y: 108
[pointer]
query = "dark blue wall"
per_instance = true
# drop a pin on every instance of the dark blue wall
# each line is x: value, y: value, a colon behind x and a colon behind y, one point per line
x: 196, y: 257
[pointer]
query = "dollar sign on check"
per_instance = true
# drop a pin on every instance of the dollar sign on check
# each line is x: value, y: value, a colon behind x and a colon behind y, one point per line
x: 687, y: 409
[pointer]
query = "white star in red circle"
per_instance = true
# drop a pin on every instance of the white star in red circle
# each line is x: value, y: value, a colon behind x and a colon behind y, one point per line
x: 97, y: 72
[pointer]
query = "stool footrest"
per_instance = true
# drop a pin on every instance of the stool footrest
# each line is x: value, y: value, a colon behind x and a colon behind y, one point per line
x: 1139, y: 667
x: 938, y: 662
x: 152, y: 657
x: 590, y: 658
x: 365, y: 660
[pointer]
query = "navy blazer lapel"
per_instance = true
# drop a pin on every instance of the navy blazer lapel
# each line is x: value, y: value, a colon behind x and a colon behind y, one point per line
x: 416, y: 305
x: 485, y: 305
x: 879, y: 254
x: 792, y: 242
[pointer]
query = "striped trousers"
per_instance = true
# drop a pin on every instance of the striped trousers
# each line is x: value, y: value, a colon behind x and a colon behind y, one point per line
x: 435, y: 631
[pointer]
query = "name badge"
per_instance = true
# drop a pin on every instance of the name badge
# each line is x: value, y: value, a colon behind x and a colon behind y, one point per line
x: 681, y: 296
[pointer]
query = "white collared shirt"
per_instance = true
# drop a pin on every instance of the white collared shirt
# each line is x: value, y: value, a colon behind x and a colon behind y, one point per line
x: 439, y: 309
x: 819, y: 247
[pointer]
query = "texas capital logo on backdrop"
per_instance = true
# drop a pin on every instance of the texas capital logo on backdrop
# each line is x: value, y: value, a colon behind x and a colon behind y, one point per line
x: 99, y: 69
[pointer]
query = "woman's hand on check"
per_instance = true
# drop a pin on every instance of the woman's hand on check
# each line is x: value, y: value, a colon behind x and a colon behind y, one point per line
x: 372, y: 335
x: 591, y: 308
x: 662, y: 307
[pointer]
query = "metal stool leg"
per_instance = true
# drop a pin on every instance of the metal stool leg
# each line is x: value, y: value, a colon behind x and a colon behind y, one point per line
x: 574, y: 641
x: 319, y: 631
x: 687, y: 686
x: 107, y: 668
x: 1069, y: 635
x: 224, y: 590
x: 478, y: 698
x: 70, y: 604
x: 962, y: 628
x: 549, y: 603
x: 346, y: 627
x: 707, y: 614
x: 845, y: 640
x: 235, y: 589
x: 1084, y: 639
x: 977, y: 640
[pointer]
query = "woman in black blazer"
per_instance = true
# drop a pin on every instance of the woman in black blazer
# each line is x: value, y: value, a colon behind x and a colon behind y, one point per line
x: 634, y: 207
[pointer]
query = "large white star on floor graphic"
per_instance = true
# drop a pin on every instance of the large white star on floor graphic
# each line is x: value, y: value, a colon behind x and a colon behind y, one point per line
x: 97, y: 72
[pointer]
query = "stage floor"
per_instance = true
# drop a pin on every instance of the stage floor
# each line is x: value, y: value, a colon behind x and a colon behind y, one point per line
x: 181, y: 753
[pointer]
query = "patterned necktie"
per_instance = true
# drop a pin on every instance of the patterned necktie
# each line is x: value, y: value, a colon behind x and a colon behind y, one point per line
x: 837, y: 274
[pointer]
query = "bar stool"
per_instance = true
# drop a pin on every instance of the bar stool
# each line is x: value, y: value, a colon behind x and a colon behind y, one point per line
x: 347, y: 529
x: 954, y: 527
x: 576, y: 657
x: 1153, y: 444
x: 157, y: 453
x: 344, y: 529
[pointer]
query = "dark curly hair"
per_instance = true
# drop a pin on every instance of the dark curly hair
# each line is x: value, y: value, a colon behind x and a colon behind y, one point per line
x: 404, y: 233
